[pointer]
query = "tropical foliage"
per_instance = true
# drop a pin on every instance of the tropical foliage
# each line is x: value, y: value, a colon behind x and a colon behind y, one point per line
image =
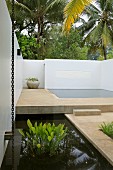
x: 37, y: 15
x: 55, y: 45
x: 107, y: 128
x: 29, y: 46
x: 98, y: 30
x: 72, y: 11
x: 66, y: 47
x: 43, y: 138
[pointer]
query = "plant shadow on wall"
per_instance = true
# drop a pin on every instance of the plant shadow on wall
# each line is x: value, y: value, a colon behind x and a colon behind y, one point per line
x: 48, y: 146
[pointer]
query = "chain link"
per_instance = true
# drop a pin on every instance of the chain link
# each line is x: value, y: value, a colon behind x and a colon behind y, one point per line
x: 12, y: 86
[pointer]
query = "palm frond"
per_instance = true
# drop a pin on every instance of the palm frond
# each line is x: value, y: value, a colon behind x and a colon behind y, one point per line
x: 87, y: 26
x: 54, y: 2
x: 95, y: 8
x: 95, y: 34
x: 106, y: 37
x: 22, y: 5
x: 72, y: 11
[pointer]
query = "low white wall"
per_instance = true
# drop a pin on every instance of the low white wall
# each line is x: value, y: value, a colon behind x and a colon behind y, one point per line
x: 107, y: 74
x: 72, y: 74
x: 5, y: 75
x: 34, y: 68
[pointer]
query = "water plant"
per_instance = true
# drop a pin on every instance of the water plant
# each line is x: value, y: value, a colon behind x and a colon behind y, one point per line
x: 43, y: 139
x: 107, y: 128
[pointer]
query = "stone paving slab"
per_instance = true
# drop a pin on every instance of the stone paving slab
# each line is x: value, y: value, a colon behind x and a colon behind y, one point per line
x: 41, y: 100
x: 45, y: 97
x: 89, y: 127
x: 37, y: 97
x: 86, y: 112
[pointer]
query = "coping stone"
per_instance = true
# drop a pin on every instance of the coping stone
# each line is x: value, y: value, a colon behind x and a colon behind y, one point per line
x: 86, y: 112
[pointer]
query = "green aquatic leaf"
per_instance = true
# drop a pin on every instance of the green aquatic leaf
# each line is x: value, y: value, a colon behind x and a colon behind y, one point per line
x: 46, y: 132
x: 49, y: 138
x: 62, y: 132
x: 29, y: 124
x: 33, y: 130
x: 21, y: 132
x: 28, y: 135
x: 37, y: 130
x: 38, y: 145
x: 44, y: 126
x: 52, y: 134
x: 35, y: 125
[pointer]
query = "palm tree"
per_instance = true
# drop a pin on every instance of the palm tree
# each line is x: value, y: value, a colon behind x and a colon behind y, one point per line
x: 98, y: 30
x: 72, y: 11
x: 38, y: 13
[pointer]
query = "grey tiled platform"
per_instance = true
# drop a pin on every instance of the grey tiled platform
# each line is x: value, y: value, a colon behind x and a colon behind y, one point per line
x: 36, y: 101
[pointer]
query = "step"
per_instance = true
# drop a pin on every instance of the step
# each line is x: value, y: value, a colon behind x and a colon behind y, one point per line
x: 86, y: 112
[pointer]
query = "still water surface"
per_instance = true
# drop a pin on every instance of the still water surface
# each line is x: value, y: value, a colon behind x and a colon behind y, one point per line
x: 78, y: 155
x: 80, y: 93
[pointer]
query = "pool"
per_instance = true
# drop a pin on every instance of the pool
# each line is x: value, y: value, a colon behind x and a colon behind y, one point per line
x: 80, y: 93
x: 79, y: 153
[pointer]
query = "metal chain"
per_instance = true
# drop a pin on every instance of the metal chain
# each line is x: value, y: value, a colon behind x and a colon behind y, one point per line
x: 12, y: 85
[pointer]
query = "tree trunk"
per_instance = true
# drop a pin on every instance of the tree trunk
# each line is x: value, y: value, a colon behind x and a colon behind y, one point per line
x: 40, y: 28
x: 104, y: 51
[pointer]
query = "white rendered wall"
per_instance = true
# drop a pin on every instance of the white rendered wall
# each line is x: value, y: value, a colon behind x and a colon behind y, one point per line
x: 72, y: 74
x: 5, y: 54
x: 34, y: 68
x: 107, y: 75
x: 18, y: 72
x: 5, y: 76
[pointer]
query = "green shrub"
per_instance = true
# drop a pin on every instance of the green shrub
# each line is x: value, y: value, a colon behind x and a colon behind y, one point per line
x: 43, y: 138
x: 107, y: 128
x: 29, y: 46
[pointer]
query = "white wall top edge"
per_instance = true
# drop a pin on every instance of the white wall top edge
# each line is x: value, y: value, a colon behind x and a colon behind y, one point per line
x: 68, y: 60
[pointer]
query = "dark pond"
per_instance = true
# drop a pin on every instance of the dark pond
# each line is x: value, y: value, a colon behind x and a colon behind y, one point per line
x: 79, y: 154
